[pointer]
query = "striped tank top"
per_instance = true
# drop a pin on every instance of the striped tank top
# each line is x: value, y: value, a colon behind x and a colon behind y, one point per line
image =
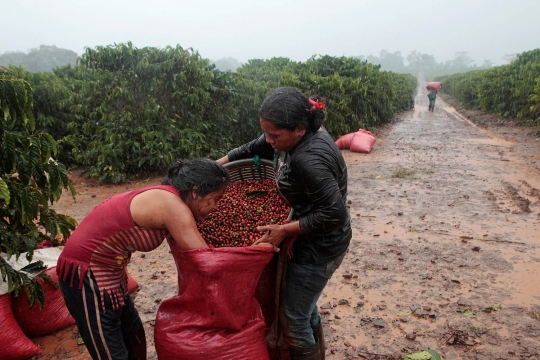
x: 103, y: 243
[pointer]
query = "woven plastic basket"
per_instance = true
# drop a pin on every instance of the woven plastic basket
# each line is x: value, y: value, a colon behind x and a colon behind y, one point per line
x: 246, y: 169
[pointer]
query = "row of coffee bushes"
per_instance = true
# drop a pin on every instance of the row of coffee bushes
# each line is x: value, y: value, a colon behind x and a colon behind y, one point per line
x: 511, y: 91
x: 123, y: 110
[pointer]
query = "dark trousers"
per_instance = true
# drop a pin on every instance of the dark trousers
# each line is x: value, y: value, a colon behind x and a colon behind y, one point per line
x: 431, y: 104
x: 110, y: 334
x: 299, y: 313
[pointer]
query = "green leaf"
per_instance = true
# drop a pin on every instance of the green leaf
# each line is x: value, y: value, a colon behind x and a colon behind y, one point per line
x: 424, y: 355
x: 4, y: 191
x: 405, y: 313
x: 34, y: 267
x: 52, y: 143
x: 434, y: 355
x: 256, y: 194
x: 467, y: 312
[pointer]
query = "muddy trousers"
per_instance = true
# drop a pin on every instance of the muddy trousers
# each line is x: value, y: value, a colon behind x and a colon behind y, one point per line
x: 113, y: 334
x: 299, y: 312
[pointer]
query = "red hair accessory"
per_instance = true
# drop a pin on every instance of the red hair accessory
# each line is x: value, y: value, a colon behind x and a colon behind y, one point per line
x: 316, y: 104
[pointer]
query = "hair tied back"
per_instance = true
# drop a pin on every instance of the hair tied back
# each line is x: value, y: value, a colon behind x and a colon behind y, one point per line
x: 317, y: 104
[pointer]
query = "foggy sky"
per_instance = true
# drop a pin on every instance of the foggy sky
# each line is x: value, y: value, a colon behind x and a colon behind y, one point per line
x: 297, y: 29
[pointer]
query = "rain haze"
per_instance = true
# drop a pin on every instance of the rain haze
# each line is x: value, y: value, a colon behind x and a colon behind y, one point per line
x: 242, y: 29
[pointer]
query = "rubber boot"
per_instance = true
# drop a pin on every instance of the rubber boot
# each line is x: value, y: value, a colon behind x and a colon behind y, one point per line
x: 311, y: 353
x: 318, y: 333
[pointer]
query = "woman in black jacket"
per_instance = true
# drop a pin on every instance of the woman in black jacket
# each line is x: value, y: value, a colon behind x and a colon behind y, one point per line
x: 311, y: 174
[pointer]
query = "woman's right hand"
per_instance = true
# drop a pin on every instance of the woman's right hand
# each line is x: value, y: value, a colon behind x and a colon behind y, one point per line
x: 224, y: 160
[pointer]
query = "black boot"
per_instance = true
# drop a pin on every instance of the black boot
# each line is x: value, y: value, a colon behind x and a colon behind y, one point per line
x: 318, y: 333
x: 311, y: 353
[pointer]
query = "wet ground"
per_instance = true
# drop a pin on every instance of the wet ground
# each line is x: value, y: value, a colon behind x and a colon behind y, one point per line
x: 445, y: 251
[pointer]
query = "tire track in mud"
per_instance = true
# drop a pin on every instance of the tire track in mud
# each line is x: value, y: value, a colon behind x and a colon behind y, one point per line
x: 445, y: 251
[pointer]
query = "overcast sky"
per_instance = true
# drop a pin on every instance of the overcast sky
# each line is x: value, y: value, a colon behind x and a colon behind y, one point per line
x: 297, y: 29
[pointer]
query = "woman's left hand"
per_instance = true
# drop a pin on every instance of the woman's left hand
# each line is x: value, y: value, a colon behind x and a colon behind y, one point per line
x: 273, y: 234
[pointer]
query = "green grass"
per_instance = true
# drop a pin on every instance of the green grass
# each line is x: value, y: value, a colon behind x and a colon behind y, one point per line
x: 403, y: 173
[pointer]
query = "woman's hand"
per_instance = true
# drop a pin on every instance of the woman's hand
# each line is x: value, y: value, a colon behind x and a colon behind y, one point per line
x: 224, y: 160
x: 275, y: 234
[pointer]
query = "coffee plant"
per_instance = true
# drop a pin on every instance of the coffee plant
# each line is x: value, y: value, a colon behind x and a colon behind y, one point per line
x: 30, y: 180
x: 125, y: 111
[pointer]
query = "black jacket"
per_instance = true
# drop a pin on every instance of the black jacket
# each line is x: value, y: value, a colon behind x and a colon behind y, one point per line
x: 312, y: 177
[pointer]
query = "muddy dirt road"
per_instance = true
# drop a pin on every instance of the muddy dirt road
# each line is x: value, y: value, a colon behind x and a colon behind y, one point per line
x: 445, y: 251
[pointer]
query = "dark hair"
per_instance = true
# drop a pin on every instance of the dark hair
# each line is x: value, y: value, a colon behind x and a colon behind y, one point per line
x: 205, y: 176
x: 288, y: 108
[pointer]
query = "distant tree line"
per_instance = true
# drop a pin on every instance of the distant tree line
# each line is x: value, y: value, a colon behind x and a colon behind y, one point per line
x: 416, y: 62
x: 43, y: 59
x: 227, y: 64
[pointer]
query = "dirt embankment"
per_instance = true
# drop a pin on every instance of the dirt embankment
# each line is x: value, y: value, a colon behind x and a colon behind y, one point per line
x: 445, y: 251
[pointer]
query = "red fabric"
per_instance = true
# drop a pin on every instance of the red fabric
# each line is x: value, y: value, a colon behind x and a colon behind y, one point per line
x: 132, y: 283
x: 434, y: 85
x: 14, y: 345
x: 215, y: 314
x: 316, y: 104
x: 44, y: 244
x: 362, y: 141
x: 344, y: 142
x: 53, y: 316
x: 265, y: 291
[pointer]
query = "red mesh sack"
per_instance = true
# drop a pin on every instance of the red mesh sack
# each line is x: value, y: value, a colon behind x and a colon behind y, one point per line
x: 214, y: 314
x: 53, y: 316
x: 433, y: 85
x: 362, y: 141
x: 14, y: 345
x: 265, y: 292
x: 344, y: 142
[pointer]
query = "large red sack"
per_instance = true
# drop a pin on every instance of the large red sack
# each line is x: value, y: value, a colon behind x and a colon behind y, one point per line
x: 215, y: 314
x: 362, y: 141
x: 14, y: 345
x: 132, y: 283
x: 344, y: 142
x: 433, y: 85
x: 265, y: 292
x: 52, y: 317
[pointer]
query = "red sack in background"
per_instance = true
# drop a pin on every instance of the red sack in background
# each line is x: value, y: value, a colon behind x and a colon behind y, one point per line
x: 362, y: 141
x: 215, y: 314
x: 14, y: 345
x: 344, y: 142
x: 52, y: 317
x: 434, y: 85
x: 132, y: 283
